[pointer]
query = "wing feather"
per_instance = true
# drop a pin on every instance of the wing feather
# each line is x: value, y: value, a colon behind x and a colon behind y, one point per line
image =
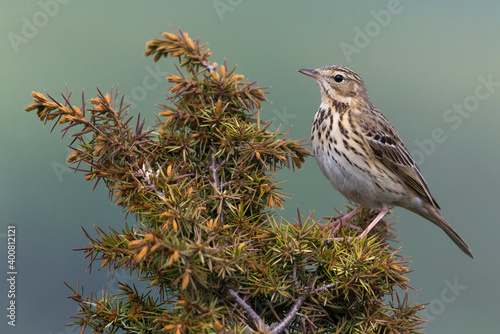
x: 390, y: 150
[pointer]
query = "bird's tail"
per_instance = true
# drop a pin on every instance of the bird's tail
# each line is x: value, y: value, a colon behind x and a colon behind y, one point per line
x: 435, y: 217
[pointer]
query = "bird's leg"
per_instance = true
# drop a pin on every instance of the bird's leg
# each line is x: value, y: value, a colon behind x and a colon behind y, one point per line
x: 374, y: 222
x: 343, y: 220
x: 348, y: 215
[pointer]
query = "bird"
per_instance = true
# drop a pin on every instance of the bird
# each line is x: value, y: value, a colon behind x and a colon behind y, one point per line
x: 360, y: 152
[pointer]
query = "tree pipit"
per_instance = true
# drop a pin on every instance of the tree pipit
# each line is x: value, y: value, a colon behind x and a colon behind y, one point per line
x: 361, y: 154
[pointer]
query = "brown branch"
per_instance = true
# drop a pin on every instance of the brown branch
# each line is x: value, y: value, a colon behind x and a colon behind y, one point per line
x: 323, y: 288
x: 298, y: 304
x: 291, y: 315
x: 294, y: 276
x: 294, y: 311
x: 215, y: 169
x: 258, y: 322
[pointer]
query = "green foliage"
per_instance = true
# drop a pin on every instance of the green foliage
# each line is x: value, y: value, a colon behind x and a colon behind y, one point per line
x: 201, y: 187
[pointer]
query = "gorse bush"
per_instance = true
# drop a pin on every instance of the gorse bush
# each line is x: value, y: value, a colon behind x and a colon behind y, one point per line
x: 200, y: 185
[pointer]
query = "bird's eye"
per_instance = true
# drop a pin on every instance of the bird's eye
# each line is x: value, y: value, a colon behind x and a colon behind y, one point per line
x: 338, y: 78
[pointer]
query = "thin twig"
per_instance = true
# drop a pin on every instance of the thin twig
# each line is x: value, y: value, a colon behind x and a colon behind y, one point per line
x: 323, y: 288
x: 294, y: 311
x: 270, y: 305
x: 218, y: 184
x: 296, y: 307
x: 247, y: 308
x: 225, y: 184
x: 294, y: 276
x: 291, y: 315
x: 215, y: 169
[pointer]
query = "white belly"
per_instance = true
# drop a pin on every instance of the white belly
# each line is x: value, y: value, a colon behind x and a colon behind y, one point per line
x: 360, y: 181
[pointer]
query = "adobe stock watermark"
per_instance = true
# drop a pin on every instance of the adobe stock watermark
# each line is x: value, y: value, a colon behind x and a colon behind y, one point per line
x: 61, y: 168
x: 69, y: 328
x: 448, y: 295
x: 31, y: 26
x: 455, y: 117
x: 120, y: 277
x: 223, y: 6
x: 280, y: 117
x: 113, y: 287
x: 3, y: 237
x: 151, y: 80
x: 364, y: 36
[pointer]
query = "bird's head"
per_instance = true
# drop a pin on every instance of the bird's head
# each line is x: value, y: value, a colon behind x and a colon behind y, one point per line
x: 338, y: 83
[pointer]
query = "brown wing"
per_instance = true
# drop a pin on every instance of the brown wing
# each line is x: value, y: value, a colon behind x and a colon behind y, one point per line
x: 390, y: 150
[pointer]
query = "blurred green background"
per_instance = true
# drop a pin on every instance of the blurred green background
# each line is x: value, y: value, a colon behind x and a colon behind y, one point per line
x: 422, y: 62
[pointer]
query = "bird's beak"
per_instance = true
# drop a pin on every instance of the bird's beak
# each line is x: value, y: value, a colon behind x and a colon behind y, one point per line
x: 311, y: 73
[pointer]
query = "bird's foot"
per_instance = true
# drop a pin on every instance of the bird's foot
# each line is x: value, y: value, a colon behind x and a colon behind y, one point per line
x: 348, y: 239
x: 335, y: 225
x: 341, y: 221
x: 380, y: 215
